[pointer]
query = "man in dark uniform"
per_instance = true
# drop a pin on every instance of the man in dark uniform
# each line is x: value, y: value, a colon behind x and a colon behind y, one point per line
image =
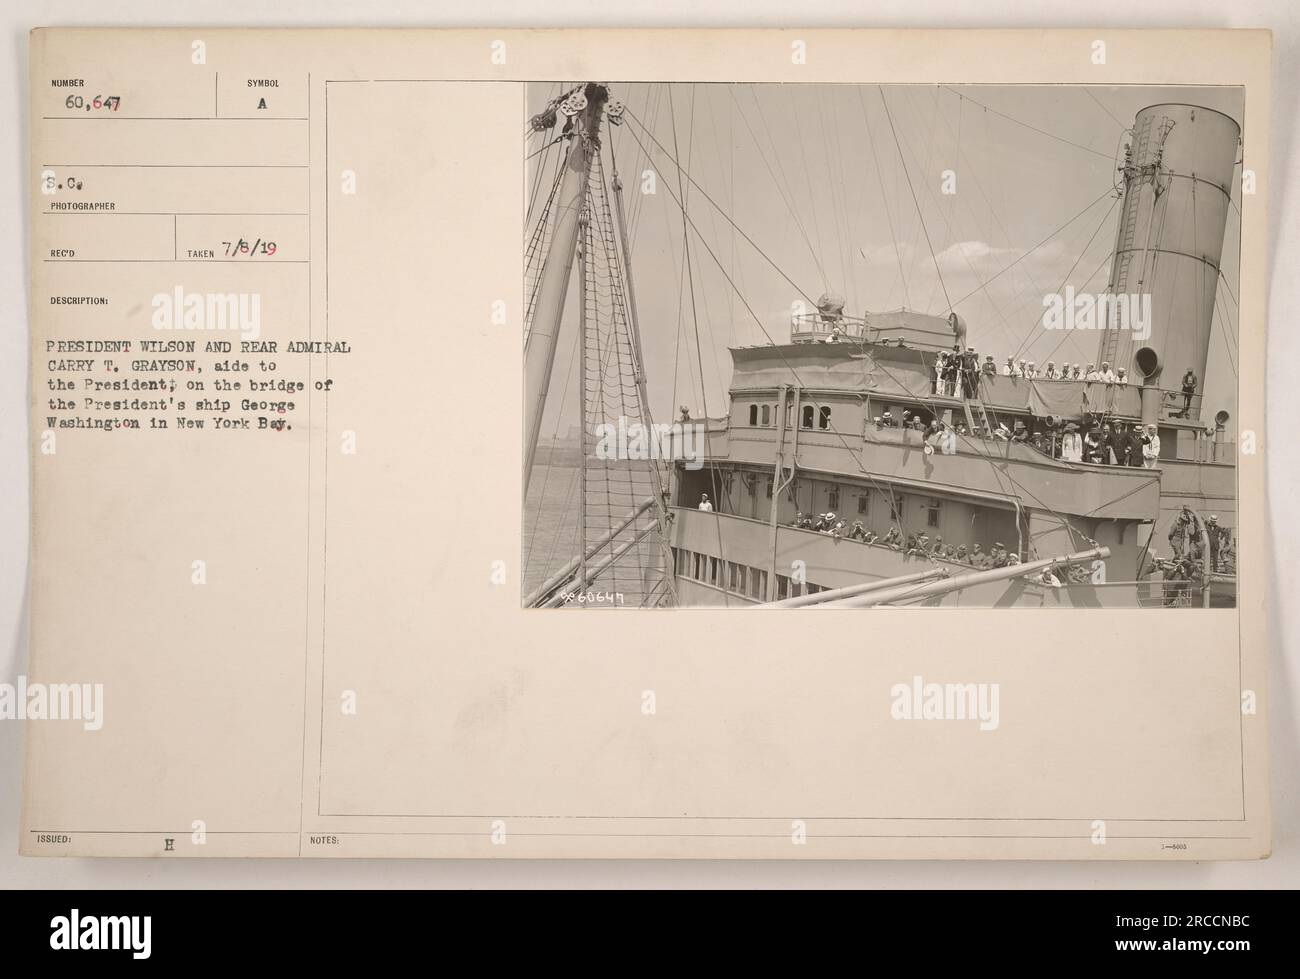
x: 1195, y: 538
x: 1109, y: 448
x: 1180, y: 575
x: 1178, y: 533
x: 1189, y: 390
x: 970, y: 366
x: 1214, y: 534
x: 1135, y: 446
x: 952, y: 373
x: 1123, y: 445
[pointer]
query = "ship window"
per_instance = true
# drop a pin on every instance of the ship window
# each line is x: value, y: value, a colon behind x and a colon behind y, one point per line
x: 757, y: 583
x: 862, y: 503
x: 896, y: 512
x: 699, y: 567
x: 767, y: 414
x: 932, y: 514
x: 769, y: 489
x: 824, y: 419
x: 737, y: 577
x: 807, y: 416
x: 782, y: 587
x: 753, y: 414
x: 833, y: 498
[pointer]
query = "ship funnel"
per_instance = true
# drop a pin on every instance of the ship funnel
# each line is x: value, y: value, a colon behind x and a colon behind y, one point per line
x: 1177, y: 188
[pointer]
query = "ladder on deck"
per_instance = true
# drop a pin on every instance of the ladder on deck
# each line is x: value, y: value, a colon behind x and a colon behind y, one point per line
x: 984, y: 414
x: 1116, y: 345
x: 1110, y: 338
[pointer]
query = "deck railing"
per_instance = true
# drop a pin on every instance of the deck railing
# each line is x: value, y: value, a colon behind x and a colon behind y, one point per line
x: 817, y: 327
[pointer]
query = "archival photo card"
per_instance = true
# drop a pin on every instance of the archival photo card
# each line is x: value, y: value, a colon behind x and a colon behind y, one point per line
x: 489, y: 444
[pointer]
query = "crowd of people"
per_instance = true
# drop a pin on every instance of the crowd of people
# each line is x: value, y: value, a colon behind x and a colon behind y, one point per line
x: 1105, y: 443
x: 957, y: 372
x: 1190, y: 540
x: 1111, y: 443
x: 911, y: 544
x: 1196, y: 549
x: 1191, y: 548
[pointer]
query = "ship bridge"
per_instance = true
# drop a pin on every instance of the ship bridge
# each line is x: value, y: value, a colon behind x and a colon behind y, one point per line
x: 893, y: 372
x: 920, y: 331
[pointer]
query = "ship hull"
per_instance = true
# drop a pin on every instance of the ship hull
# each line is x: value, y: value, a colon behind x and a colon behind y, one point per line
x: 723, y: 560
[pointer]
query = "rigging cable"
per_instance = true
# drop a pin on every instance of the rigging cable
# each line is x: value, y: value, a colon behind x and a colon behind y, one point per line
x: 689, y: 179
x: 1088, y: 92
x: 690, y: 276
x: 937, y: 271
x: 893, y: 236
x: 1007, y: 268
x: 1027, y: 344
x: 1044, y: 132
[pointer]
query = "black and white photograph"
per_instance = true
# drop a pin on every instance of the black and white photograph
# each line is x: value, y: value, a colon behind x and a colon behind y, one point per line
x: 848, y: 346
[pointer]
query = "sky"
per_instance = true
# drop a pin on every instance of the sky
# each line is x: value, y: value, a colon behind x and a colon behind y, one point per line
x: 799, y: 190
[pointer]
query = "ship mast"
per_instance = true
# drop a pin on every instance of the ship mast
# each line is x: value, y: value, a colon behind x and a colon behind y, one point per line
x: 584, y: 110
x: 638, y: 372
x: 582, y: 228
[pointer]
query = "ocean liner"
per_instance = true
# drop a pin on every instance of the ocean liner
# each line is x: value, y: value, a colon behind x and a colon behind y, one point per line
x: 849, y: 469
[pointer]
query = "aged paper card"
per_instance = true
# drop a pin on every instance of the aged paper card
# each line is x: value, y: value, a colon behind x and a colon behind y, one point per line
x: 766, y: 444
